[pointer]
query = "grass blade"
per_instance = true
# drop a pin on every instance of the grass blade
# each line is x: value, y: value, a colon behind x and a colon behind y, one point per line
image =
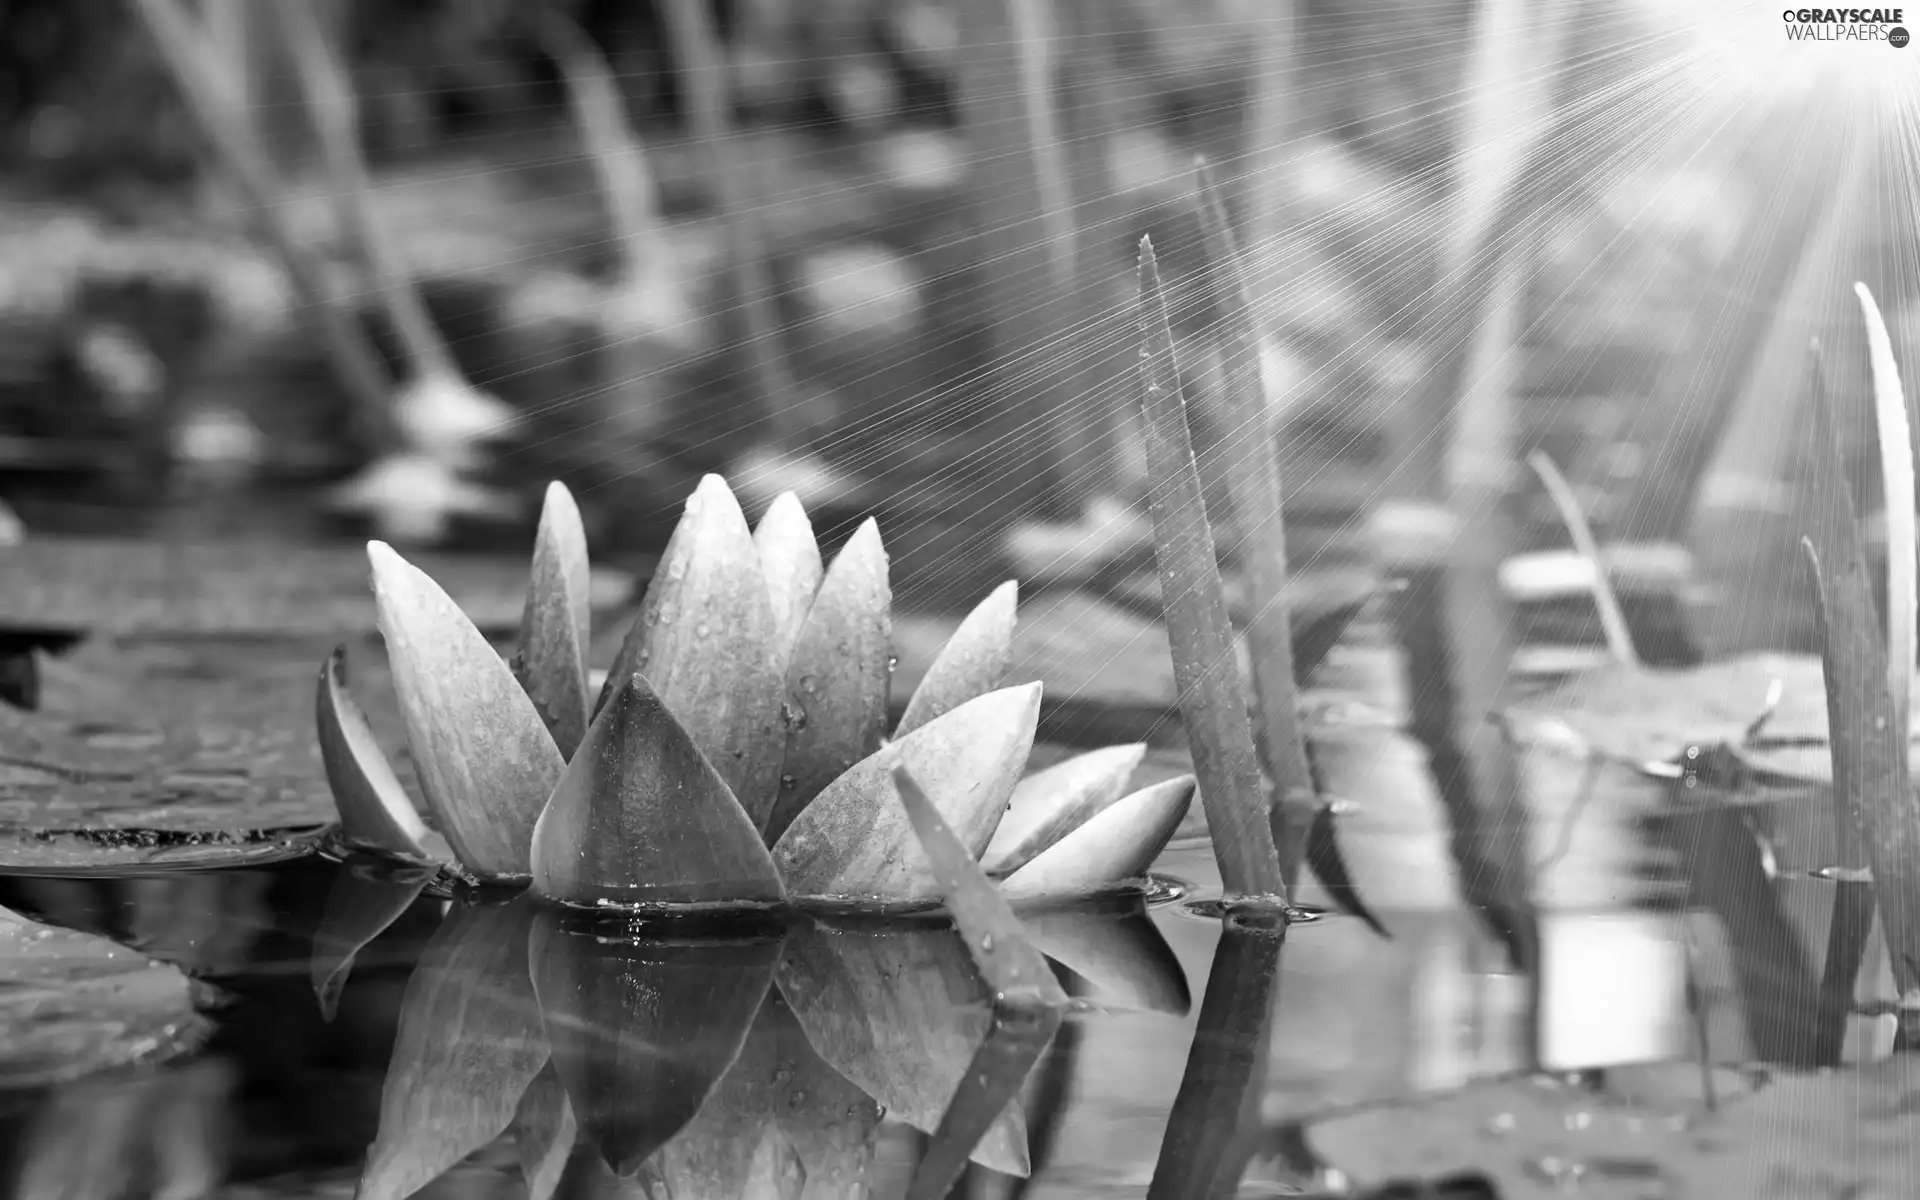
x: 1254, y: 485
x: 1205, y: 660
x: 1613, y: 622
x: 1896, y: 469
x: 1878, y: 819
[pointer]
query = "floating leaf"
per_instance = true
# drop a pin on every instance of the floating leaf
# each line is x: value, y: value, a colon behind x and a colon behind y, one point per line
x: 973, y: 662
x: 554, y: 628
x: 643, y: 1027
x: 705, y: 637
x: 1119, y: 843
x: 855, y: 842
x: 790, y: 559
x: 364, y: 900
x: 899, y: 1011
x: 375, y: 811
x: 1051, y: 802
x: 544, y: 1133
x: 75, y: 1004
x: 485, y: 759
x: 1123, y: 956
x: 469, y: 1043
x: 836, y: 698
x: 642, y: 819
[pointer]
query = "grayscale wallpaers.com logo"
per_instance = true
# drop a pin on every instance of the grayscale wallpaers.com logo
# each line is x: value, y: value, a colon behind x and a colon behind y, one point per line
x: 1847, y: 25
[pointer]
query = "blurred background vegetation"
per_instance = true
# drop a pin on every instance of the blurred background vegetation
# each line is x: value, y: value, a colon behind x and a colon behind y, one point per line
x: 890, y: 266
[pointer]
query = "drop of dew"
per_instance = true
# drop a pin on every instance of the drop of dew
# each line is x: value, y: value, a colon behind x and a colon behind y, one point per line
x: 788, y: 782
x: 702, y: 629
x: 986, y: 944
x: 808, y: 685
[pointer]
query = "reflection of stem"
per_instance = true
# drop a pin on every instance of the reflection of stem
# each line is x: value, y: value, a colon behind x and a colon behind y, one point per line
x: 1225, y: 1068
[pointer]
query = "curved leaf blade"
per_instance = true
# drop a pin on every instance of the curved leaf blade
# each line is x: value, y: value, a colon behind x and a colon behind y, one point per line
x: 551, y: 663
x: 485, y: 759
x: 973, y: 662
x: 1053, y: 802
x: 1118, y: 844
x: 836, y: 700
x: 790, y: 558
x: 854, y: 842
x: 642, y: 820
x: 375, y: 810
x: 705, y: 638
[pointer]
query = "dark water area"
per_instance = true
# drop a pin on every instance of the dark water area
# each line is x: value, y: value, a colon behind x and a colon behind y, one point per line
x: 358, y: 1020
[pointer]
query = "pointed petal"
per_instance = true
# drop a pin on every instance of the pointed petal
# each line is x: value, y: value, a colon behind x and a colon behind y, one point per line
x: 790, y: 558
x: 1048, y: 804
x: 836, y: 701
x: 854, y: 841
x: 899, y: 1011
x: 544, y: 1132
x: 375, y: 811
x: 1013, y: 969
x: 643, y: 1028
x: 642, y: 820
x: 1125, y: 957
x: 470, y: 1040
x: 551, y: 664
x: 1116, y: 845
x: 973, y: 661
x: 705, y: 638
x: 361, y: 904
x: 486, y: 762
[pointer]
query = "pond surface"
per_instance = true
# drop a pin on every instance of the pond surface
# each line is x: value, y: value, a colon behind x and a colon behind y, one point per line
x: 343, y: 1017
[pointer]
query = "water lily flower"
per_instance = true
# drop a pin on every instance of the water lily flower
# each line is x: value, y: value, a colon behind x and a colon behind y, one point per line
x: 738, y: 753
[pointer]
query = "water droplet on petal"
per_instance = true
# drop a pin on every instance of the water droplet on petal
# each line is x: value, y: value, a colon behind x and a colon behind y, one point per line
x: 702, y: 629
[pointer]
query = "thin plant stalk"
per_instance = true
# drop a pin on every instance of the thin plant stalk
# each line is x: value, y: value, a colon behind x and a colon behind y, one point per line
x: 1613, y: 622
x: 1205, y: 651
x: 1896, y: 471
x: 217, y: 103
x: 619, y: 160
x: 1877, y: 819
x: 1026, y: 244
x: 707, y: 94
x: 326, y: 86
x: 1254, y: 485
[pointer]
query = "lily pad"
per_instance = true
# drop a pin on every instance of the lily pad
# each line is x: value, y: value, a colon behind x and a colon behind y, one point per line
x: 75, y: 1004
x: 642, y: 819
x: 855, y: 843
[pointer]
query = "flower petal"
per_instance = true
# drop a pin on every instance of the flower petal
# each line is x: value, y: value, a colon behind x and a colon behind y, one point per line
x: 1051, y: 803
x: 641, y: 819
x: 544, y: 1133
x: 899, y: 1011
x: 790, y: 558
x: 1118, y: 844
x: 375, y: 811
x: 486, y: 762
x: 705, y: 638
x: 469, y: 1042
x: 551, y: 663
x: 836, y: 703
x: 973, y: 661
x: 854, y: 841
x: 643, y: 1028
